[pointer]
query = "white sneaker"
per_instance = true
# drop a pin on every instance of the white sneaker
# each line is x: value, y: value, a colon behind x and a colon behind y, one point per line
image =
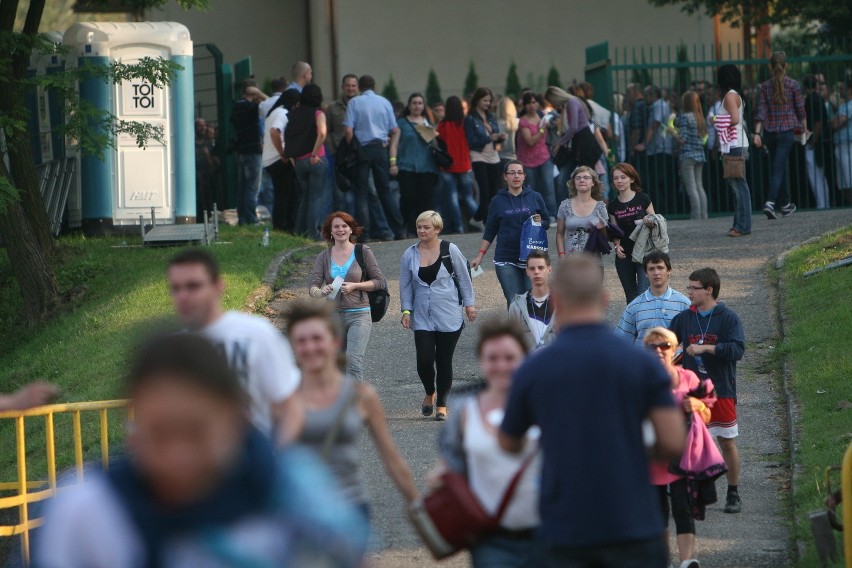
x: 690, y: 564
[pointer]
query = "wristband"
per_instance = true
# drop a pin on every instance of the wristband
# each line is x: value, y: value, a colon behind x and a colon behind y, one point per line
x: 393, y: 160
x: 561, y: 254
x: 541, y: 130
x: 406, y: 312
x: 483, y: 251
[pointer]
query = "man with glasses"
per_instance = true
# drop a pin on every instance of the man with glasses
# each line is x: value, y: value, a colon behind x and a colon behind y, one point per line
x: 656, y: 306
x: 713, y: 341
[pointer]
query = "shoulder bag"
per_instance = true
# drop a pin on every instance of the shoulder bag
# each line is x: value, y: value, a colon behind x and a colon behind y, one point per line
x: 451, y: 518
x: 378, y: 299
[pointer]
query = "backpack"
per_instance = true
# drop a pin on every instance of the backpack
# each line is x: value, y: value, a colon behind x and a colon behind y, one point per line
x: 447, y: 261
x: 379, y: 299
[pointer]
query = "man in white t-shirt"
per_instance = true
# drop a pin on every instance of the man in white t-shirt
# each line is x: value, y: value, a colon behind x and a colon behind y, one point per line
x: 254, y: 348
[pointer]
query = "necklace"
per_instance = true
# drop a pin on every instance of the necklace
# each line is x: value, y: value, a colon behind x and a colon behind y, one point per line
x: 706, y: 329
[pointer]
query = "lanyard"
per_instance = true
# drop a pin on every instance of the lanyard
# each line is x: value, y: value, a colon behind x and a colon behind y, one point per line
x: 706, y: 329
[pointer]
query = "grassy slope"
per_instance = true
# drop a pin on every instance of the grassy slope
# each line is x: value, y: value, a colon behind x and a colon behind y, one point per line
x: 114, y: 292
x: 819, y: 318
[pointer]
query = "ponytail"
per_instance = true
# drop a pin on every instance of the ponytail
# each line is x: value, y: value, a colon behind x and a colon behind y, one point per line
x: 778, y: 66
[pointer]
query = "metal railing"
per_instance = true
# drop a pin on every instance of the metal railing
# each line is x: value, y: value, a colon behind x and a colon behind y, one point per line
x: 26, y: 491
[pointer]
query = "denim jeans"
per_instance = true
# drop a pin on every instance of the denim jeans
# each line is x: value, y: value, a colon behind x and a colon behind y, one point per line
x: 457, y: 188
x: 286, y: 196
x: 742, y: 197
x: 690, y: 174
x: 816, y: 179
x: 513, y: 280
x: 374, y: 159
x: 501, y: 552
x: 357, y: 327
x: 779, y: 145
x: 561, y: 183
x: 315, y: 204
x: 642, y: 554
x: 540, y: 179
x: 266, y: 195
x: 248, y: 184
x: 632, y: 275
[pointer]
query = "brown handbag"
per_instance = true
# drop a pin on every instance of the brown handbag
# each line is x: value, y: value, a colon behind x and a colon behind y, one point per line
x: 733, y: 167
x: 451, y: 518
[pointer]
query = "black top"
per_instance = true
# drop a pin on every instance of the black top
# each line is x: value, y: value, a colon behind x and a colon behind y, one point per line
x: 625, y: 216
x: 816, y: 112
x: 429, y: 274
x: 300, y: 135
x: 246, y: 122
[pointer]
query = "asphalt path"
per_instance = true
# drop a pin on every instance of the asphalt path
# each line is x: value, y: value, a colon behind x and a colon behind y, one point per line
x: 760, y: 535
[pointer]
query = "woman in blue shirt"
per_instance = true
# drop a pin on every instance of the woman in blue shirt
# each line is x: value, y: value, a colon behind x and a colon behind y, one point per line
x: 415, y: 168
x: 483, y: 136
x: 430, y: 297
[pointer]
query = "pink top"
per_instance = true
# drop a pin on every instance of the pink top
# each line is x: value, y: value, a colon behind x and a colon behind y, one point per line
x: 321, y: 151
x: 531, y: 156
x: 688, y: 381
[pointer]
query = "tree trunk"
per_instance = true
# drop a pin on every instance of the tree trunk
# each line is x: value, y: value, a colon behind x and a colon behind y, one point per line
x: 31, y: 264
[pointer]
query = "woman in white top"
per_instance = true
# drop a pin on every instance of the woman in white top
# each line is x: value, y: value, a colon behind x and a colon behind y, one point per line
x: 469, y: 446
x: 729, y: 79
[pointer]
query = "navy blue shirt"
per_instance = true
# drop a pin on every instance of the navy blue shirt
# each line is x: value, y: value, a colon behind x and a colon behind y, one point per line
x: 589, y: 394
x: 506, y: 216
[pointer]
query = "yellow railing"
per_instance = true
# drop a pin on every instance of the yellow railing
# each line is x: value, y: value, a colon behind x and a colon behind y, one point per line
x: 28, y: 491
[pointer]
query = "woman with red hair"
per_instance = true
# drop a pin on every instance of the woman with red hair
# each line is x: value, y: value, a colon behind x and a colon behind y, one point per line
x: 344, y: 278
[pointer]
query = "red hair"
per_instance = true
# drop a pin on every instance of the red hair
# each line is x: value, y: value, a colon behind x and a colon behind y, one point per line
x: 629, y: 171
x: 346, y: 218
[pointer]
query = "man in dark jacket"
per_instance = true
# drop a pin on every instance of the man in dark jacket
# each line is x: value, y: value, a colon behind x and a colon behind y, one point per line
x: 248, y: 144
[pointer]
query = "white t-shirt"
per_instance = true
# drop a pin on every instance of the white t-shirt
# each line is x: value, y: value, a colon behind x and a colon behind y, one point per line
x: 262, y: 359
x: 276, y: 119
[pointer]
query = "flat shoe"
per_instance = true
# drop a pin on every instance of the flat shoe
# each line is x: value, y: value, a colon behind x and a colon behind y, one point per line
x: 426, y: 410
x: 735, y: 233
x: 441, y: 415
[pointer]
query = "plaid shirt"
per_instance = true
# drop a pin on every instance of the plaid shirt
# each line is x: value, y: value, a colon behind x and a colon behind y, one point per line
x: 784, y: 116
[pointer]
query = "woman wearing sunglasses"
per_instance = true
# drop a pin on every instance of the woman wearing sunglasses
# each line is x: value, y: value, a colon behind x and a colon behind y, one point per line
x: 673, y: 488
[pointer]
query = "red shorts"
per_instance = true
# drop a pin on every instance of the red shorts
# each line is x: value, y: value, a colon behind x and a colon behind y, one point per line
x: 723, y: 418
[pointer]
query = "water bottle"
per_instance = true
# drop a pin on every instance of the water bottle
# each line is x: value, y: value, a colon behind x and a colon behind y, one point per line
x: 265, y: 241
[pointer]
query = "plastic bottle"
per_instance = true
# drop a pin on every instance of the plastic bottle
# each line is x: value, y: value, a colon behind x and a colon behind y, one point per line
x: 265, y: 241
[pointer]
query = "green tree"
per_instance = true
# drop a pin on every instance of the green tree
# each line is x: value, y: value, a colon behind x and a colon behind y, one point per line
x: 513, y: 83
x: 834, y: 18
x: 23, y: 221
x: 471, y: 82
x: 389, y: 91
x: 553, y: 77
x: 433, y: 89
x: 682, y: 74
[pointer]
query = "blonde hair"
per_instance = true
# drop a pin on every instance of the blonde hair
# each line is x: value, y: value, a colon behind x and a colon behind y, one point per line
x: 692, y: 103
x: 662, y: 333
x: 597, y: 189
x: 778, y: 66
x: 433, y: 217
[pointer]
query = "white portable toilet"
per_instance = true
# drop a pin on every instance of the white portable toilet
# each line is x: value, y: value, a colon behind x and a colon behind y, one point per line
x: 127, y: 181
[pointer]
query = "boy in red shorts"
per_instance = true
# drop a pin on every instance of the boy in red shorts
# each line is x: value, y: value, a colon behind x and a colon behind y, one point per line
x: 713, y: 341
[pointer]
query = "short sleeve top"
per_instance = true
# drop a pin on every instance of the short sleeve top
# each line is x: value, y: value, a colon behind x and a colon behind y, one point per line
x: 626, y: 215
x: 577, y: 227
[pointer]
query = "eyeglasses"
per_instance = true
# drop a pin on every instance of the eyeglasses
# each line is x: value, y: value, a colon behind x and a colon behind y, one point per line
x: 515, y: 174
x: 695, y: 288
x: 661, y: 346
x: 587, y: 178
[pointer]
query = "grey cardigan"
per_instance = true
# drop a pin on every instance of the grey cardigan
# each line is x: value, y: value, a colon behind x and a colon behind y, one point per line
x: 435, y: 307
x: 518, y: 310
x: 321, y: 275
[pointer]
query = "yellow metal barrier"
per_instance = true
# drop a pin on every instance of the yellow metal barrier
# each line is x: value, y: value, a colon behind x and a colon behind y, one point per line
x: 846, y: 495
x: 28, y: 491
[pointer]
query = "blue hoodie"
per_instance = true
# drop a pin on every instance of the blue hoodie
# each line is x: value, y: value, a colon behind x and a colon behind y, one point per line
x: 506, y: 216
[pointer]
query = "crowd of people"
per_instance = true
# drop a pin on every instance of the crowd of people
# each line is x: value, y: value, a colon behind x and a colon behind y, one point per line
x: 410, y: 157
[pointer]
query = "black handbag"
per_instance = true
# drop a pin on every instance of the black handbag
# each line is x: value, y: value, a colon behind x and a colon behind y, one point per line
x: 379, y: 299
x: 440, y: 154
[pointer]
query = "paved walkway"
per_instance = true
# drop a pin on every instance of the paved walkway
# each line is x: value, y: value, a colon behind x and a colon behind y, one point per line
x: 759, y: 536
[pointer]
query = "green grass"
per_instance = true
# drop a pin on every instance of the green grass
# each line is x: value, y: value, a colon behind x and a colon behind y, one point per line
x: 819, y: 319
x: 112, y: 296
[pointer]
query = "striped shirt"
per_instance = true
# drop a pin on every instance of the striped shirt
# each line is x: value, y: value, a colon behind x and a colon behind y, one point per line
x: 647, y: 311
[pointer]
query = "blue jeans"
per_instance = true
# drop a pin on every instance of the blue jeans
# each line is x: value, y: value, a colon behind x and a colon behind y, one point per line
x: 457, y: 188
x: 540, y: 179
x: 340, y: 200
x: 642, y: 554
x: 513, y: 280
x: 561, y: 184
x: 742, y: 197
x: 266, y: 196
x: 357, y: 327
x: 385, y: 218
x: 779, y: 145
x: 248, y: 184
x: 315, y: 203
x: 501, y: 552
x: 632, y: 276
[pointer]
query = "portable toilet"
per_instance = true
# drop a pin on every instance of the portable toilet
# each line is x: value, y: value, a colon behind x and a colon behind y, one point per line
x: 128, y: 181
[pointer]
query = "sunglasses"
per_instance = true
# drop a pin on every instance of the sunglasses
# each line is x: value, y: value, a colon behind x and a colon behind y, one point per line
x: 661, y: 346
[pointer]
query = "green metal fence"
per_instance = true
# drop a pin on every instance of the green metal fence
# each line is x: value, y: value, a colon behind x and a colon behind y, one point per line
x: 676, y: 69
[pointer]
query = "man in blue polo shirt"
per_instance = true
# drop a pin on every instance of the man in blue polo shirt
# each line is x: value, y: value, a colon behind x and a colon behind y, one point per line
x: 657, y: 305
x: 370, y: 119
x: 589, y: 393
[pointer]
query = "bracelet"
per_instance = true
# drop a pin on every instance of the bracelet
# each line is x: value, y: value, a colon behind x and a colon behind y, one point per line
x: 541, y: 130
x: 483, y: 251
x: 561, y: 254
x: 406, y: 312
x: 393, y: 160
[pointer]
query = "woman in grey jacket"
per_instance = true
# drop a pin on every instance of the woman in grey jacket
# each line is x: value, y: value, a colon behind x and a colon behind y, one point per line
x: 430, y: 296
